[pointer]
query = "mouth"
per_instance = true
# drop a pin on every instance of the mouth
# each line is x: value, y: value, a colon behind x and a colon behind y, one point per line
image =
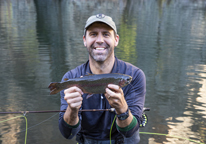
x: 99, y: 48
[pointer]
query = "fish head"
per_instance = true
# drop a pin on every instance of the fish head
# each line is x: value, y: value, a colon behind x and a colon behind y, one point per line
x: 125, y: 80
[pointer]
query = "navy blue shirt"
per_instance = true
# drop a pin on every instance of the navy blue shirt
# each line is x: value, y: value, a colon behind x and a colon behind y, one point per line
x: 97, y: 125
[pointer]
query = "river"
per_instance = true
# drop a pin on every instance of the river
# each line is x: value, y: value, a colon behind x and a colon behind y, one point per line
x: 40, y: 40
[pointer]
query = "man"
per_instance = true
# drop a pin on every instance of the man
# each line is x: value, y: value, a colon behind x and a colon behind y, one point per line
x: 100, y: 37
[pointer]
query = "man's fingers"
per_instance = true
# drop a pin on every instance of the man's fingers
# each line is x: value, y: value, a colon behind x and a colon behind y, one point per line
x: 73, y: 89
x: 109, y: 92
x: 72, y: 97
x: 114, y: 87
x: 75, y: 104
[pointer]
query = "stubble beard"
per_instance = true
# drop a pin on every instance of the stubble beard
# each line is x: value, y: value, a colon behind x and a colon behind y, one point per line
x: 100, y: 57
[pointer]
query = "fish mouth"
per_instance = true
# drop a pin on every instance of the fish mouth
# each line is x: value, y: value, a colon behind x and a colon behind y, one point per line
x: 128, y: 80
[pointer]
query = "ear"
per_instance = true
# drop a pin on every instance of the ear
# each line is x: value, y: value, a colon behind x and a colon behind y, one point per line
x: 84, y: 40
x: 116, y: 40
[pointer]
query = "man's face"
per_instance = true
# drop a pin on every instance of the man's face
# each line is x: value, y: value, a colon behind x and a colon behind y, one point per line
x: 100, y: 41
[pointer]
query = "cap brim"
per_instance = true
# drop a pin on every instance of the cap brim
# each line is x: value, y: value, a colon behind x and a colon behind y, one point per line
x: 93, y: 21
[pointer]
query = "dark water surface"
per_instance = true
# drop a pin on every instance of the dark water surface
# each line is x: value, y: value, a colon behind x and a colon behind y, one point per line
x: 40, y: 40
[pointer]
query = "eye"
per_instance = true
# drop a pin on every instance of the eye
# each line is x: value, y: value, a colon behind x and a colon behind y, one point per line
x: 128, y: 80
x: 92, y: 34
x: 106, y: 34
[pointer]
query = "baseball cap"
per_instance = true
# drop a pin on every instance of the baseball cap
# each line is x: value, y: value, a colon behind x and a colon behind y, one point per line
x: 100, y: 18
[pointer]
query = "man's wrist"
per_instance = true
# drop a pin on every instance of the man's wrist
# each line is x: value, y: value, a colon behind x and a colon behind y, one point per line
x: 71, y: 116
x: 121, y: 110
x: 123, y: 116
x: 71, y: 126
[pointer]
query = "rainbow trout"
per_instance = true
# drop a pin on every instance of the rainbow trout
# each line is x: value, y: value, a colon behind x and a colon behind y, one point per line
x: 92, y: 84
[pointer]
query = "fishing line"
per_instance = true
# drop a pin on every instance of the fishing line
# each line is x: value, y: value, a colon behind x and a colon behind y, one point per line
x: 25, y: 112
x: 110, y: 134
x: 26, y: 124
x: 33, y: 125
x: 131, y: 86
x: 38, y: 123
x: 149, y: 133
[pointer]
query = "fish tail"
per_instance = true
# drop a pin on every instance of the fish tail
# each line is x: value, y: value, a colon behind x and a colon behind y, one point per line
x: 54, y: 88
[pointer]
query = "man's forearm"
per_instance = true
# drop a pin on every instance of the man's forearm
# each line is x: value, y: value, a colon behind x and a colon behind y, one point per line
x: 128, y: 126
x: 68, y: 131
x: 69, y: 123
x: 71, y: 116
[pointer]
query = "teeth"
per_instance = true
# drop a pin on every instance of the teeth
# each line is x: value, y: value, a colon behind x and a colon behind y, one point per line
x: 99, y: 48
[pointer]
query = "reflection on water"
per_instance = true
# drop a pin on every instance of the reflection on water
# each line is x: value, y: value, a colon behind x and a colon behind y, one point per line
x: 41, y: 40
x: 195, y: 106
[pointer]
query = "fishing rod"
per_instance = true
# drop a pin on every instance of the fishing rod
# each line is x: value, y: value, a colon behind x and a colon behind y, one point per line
x: 53, y: 111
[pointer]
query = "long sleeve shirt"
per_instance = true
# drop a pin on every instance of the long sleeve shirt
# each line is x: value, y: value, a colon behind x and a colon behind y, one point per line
x: 97, y: 125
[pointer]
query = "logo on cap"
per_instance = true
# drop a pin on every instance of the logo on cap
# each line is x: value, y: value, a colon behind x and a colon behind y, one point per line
x: 100, y: 16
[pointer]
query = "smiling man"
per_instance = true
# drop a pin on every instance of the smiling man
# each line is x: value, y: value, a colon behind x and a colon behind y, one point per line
x: 100, y: 38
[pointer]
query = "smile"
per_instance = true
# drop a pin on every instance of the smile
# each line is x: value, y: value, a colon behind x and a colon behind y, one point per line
x: 99, y: 48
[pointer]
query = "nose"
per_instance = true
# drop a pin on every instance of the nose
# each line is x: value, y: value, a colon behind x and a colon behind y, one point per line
x: 100, y: 39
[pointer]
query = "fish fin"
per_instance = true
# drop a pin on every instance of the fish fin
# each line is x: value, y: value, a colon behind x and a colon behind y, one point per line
x: 53, y: 88
x: 89, y: 95
x: 66, y: 79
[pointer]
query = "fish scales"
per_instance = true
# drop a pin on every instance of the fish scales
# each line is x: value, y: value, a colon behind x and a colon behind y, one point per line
x: 92, y: 84
x: 97, y: 86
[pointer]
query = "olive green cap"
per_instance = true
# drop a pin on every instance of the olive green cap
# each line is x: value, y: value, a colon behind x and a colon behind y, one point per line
x: 100, y: 18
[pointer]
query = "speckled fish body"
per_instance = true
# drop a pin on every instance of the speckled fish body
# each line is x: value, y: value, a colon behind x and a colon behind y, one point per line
x: 92, y: 84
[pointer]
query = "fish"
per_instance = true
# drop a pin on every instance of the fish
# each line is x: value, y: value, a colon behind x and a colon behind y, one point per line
x: 91, y: 83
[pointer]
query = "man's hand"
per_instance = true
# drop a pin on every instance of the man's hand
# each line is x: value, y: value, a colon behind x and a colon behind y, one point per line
x: 115, y: 97
x: 73, y: 97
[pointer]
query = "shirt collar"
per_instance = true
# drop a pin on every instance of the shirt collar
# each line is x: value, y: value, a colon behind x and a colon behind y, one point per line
x: 115, y: 68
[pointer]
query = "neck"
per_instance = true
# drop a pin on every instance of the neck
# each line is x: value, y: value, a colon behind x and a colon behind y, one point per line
x: 101, y: 67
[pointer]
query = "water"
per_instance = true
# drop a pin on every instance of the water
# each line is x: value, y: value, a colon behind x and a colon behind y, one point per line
x: 41, y: 40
